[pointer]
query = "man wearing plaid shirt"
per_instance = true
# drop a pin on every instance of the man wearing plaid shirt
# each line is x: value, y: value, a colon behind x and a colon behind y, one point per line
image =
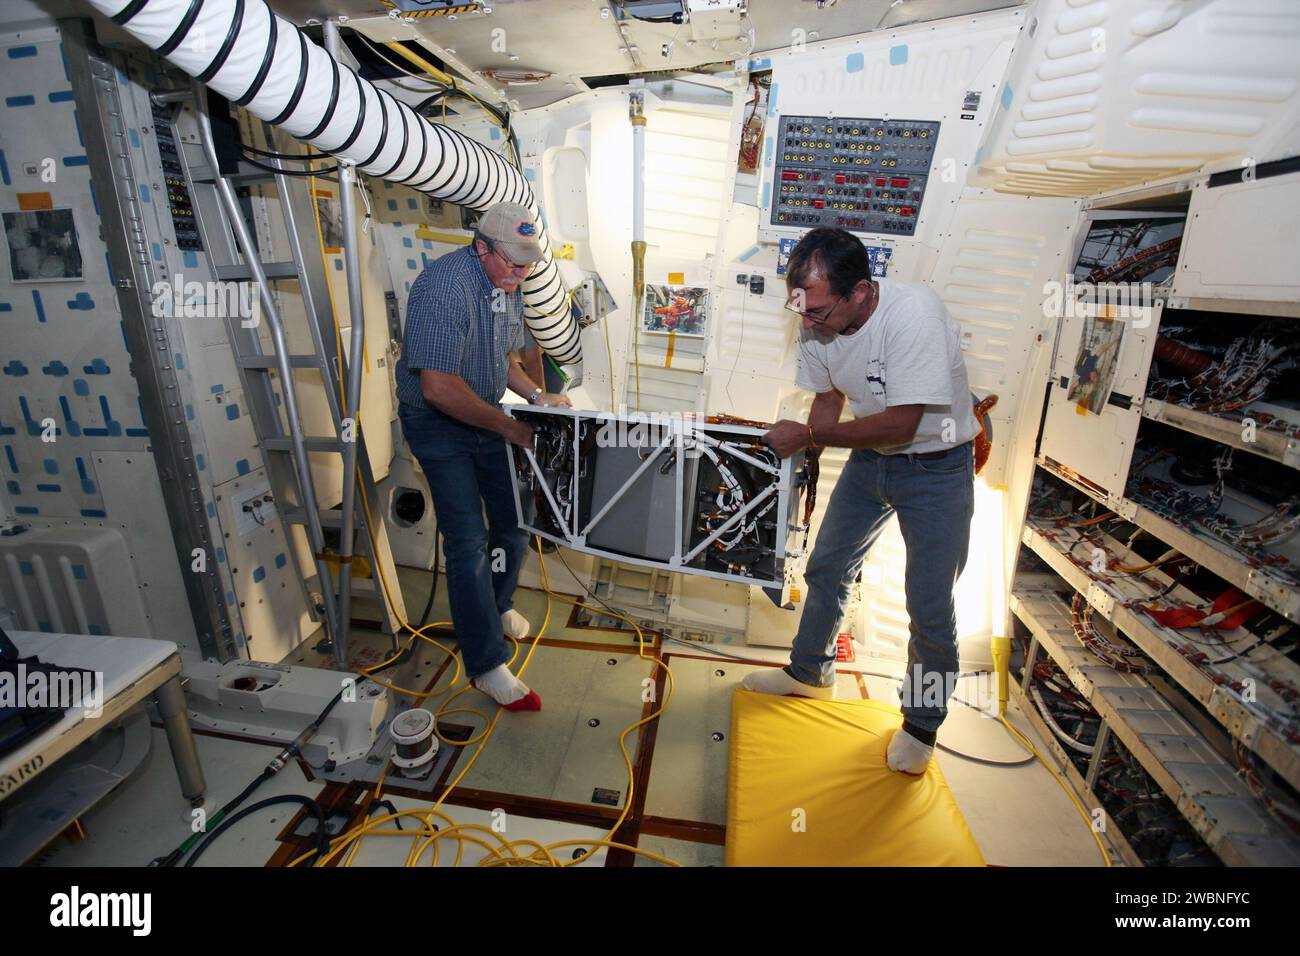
x: 462, y: 348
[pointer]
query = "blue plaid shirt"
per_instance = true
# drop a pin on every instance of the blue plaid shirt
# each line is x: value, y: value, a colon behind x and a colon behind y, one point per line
x: 451, y: 327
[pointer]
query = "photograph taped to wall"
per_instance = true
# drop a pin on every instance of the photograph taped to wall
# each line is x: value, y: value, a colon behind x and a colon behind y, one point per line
x: 43, y: 246
x: 1094, y: 368
x: 679, y: 309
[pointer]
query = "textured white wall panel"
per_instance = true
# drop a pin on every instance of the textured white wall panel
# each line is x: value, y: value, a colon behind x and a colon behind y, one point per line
x: 992, y: 271
x: 1240, y: 241
x: 1103, y: 96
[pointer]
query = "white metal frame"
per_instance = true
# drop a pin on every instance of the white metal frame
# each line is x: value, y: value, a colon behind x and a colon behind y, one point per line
x: 682, y: 436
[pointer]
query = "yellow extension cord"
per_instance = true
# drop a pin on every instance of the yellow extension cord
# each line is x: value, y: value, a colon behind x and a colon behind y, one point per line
x: 351, y: 840
x: 1064, y: 784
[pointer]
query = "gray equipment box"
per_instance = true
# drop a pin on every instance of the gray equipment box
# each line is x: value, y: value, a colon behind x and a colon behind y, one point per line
x: 675, y: 492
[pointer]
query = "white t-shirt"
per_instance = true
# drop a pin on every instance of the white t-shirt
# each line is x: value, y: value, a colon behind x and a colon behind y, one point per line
x: 908, y: 353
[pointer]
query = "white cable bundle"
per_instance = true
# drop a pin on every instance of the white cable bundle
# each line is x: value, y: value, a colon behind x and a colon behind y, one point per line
x: 263, y: 63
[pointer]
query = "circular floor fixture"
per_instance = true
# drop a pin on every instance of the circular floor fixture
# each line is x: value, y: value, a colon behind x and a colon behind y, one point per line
x: 414, y: 743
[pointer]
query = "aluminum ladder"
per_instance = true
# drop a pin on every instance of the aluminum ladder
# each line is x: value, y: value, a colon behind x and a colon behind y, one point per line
x: 234, y: 256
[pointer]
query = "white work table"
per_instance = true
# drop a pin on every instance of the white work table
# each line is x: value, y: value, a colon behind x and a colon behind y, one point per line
x: 133, y: 670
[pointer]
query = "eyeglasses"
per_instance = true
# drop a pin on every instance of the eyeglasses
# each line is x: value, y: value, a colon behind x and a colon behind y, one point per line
x: 517, y: 269
x: 813, y: 316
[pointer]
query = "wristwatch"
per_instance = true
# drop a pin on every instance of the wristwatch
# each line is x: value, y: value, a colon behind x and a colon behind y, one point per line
x: 532, y: 399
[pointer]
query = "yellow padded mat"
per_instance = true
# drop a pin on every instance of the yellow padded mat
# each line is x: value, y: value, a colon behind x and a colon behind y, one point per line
x: 809, y: 786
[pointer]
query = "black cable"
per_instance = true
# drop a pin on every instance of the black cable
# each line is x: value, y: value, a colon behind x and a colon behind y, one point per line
x: 986, y: 761
x: 606, y: 605
x: 1182, y: 574
x: 434, y: 99
x: 500, y: 115
x: 272, y: 154
x: 387, y: 805
x: 433, y: 587
x: 322, y: 838
x: 174, y: 857
x: 1022, y: 762
x: 270, y: 770
x: 290, y: 172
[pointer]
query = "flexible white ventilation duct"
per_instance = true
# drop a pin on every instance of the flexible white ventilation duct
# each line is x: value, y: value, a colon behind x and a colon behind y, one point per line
x: 263, y: 63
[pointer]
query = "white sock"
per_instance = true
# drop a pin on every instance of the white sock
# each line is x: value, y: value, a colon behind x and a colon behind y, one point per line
x: 774, y: 680
x: 501, y: 685
x: 515, y: 624
x: 906, y: 754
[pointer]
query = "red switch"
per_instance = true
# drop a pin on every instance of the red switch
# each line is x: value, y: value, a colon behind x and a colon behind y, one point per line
x: 899, y: 183
x: 840, y: 178
x: 819, y: 203
x: 788, y: 175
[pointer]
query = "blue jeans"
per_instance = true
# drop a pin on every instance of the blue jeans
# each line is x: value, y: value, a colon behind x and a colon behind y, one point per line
x: 469, y: 474
x: 934, y: 501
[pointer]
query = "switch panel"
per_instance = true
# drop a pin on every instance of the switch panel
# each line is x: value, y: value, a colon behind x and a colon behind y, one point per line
x: 863, y: 175
x: 179, y: 203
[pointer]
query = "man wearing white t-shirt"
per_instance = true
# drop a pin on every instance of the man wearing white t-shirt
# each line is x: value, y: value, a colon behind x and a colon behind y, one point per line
x: 892, y: 351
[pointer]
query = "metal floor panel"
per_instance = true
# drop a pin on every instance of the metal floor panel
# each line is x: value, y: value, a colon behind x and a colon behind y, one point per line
x: 685, y: 852
x: 557, y: 754
x: 147, y: 817
x: 688, y: 772
x: 529, y: 602
x: 1018, y: 815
